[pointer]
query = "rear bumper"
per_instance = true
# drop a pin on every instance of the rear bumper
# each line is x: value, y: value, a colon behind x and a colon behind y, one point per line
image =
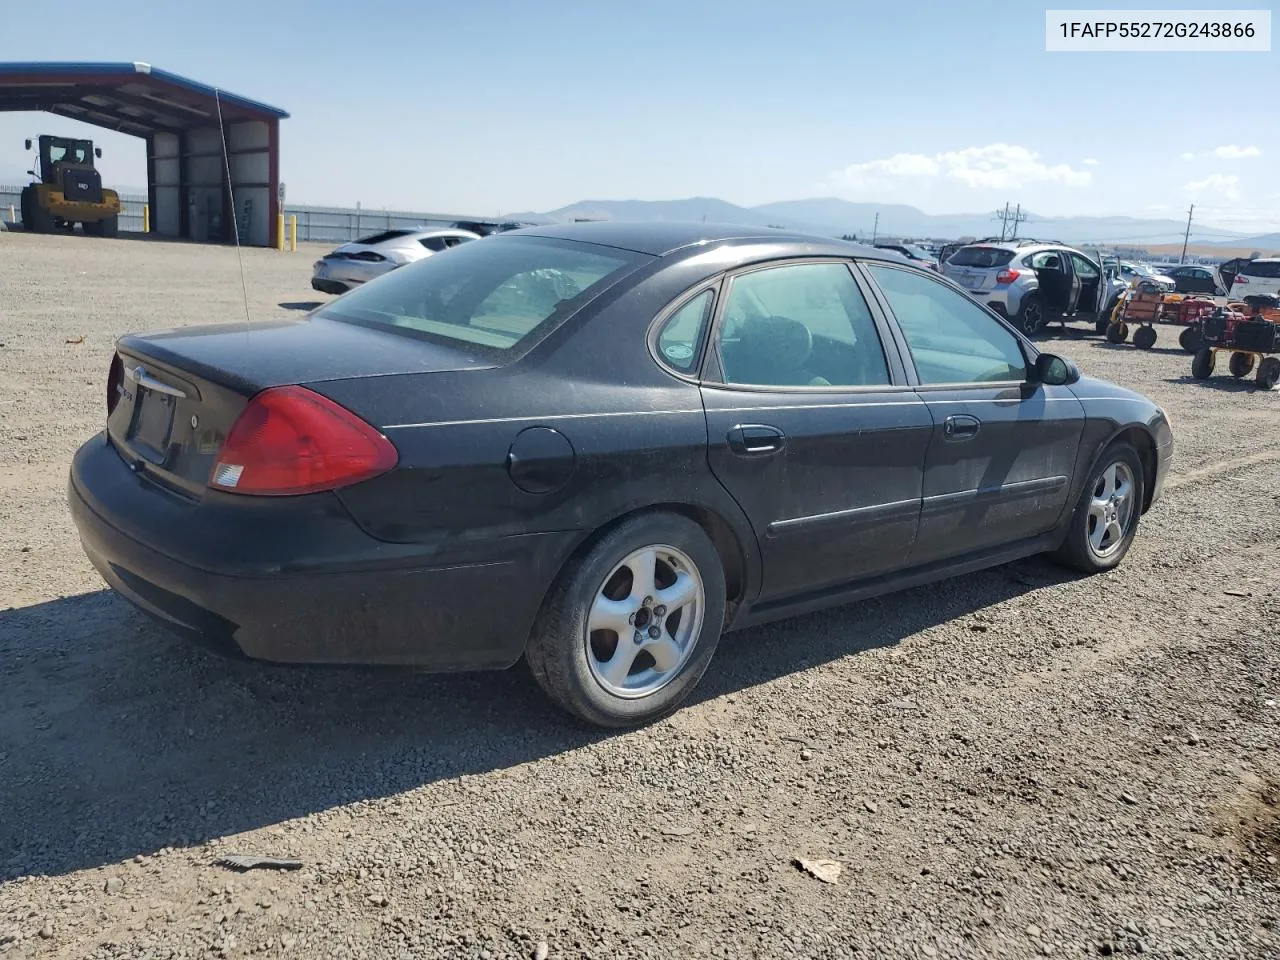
x: 299, y: 582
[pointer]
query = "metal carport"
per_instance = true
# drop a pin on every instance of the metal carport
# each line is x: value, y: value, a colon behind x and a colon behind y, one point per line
x: 187, y: 183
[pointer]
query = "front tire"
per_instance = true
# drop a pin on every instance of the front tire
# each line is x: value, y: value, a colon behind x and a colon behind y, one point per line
x: 628, y: 629
x: 1144, y: 338
x: 1106, y: 517
x: 1268, y: 373
x: 1202, y: 363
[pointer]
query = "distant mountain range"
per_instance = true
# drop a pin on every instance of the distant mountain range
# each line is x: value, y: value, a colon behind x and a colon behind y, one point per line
x: 830, y: 215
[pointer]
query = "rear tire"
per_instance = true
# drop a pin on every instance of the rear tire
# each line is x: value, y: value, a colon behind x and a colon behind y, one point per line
x: 1268, y: 373
x: 1144, y: 338
x: 1106, y: 517
x: 1240, y: 365
x: 1100, y: 325
x: 1202, y: 364
x: 603, y: 674
x: 1190, y: 339
x: 34, y: 218
x: 93, y: 229
x: 1030, y: 318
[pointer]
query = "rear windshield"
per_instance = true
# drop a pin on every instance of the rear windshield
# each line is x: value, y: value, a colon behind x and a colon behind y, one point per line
x: 980, y: 257
x: 384, y: 236
x: 495, y: 295
x: 1270, y: 269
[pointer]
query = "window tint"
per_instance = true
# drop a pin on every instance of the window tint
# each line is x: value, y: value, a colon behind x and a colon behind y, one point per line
x: 494, y: 294
x: 980, y: 257
x: 433, y: 243
x: 680, y: 338
x: 1084, y: 269
x: 802, y: 325
x: 1270, y: 269
x: 951, y: 338
x: 1046, y: 260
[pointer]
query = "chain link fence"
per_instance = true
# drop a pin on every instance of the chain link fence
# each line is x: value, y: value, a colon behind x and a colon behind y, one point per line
x: 315, y: 224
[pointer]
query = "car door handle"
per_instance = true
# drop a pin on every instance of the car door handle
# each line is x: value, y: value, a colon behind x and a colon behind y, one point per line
x: 756, y: 440
x: 961, y: 427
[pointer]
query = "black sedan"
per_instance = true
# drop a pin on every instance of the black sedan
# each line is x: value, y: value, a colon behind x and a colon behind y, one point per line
x: 597, y: 447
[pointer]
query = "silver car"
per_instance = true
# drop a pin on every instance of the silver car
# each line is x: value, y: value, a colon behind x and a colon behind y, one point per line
x: 362, y: 260
x: 1034, y: 282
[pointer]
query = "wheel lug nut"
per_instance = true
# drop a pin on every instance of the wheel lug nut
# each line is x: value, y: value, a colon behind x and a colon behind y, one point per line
x: 638, y: 638
x: 660, y: 610
x: 655, y: 632
x: 648, y: 601
x: 631, y: 619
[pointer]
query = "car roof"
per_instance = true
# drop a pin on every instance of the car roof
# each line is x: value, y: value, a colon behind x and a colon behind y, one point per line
x: 664, y: 237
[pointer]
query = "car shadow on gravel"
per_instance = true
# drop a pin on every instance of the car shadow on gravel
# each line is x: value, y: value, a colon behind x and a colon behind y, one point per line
x: 117, y: 739
x: 1167, y: 351
x: 1224, y: 382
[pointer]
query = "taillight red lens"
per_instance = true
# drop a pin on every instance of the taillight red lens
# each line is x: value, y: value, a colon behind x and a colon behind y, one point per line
x: 1007, y: 276
x: 292, y: 440
x: 115, y: 381
x: 1240, y: 279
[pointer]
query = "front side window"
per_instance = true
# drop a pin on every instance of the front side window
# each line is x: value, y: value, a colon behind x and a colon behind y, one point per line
x: 951, y: 338
x: 1084, y: 269
x: 805, y: 325
x: 495, y: 295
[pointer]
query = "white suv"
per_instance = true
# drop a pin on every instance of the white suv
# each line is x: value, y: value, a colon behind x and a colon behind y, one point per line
x: 1257, y: 277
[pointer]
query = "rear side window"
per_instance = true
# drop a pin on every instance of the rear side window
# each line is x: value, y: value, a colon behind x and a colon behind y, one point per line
x: 1267, y: 269
x: 433, y: 243
x: 680, y: 338
x: 383, y: 237
x: 494, y: 295
x: 980, y: 257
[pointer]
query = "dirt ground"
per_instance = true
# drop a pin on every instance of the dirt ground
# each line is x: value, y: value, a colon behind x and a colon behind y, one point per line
x: 1016, y: 763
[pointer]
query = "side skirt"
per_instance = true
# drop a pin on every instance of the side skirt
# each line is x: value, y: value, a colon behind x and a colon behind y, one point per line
x: 892, y: 583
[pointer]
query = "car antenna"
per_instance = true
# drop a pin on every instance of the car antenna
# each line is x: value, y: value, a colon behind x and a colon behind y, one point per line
x: 235, y: 226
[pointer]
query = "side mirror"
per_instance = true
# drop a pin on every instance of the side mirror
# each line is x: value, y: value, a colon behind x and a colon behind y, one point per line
x: 97, y: 152
x: 1055, y: 371
x: 28, y: 144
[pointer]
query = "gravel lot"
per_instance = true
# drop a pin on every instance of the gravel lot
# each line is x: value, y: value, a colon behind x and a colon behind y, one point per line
x: 1016, y: 763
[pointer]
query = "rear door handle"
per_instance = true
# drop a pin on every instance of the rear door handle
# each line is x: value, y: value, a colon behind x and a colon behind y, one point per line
x: 756, y: 440
x: 961, y: 427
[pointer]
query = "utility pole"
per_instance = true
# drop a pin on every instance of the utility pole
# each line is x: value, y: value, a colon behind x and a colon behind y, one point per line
x: 874, y: 227
x: 1186, y: 236
x: 1018, y: 217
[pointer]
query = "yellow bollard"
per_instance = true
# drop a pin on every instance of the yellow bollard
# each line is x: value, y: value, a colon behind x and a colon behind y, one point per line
x: 280, y: 231
x: 293, y: 233
x: 146, y: 218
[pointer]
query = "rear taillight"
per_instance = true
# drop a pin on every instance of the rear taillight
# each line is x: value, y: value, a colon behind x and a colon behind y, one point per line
x: 115, y: 383
x: 1240, y: 280
x: 1007, y: 276
x: 291, y: 440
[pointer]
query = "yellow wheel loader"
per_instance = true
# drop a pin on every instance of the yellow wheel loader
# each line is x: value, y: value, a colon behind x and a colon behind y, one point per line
x: 68, y: 190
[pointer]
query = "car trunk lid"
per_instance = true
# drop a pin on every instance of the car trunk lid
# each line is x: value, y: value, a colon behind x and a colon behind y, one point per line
x: 180, y: 391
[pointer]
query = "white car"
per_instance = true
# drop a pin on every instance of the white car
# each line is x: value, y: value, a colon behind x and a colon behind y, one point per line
x: 361, y: 261
x: 1257, y: 277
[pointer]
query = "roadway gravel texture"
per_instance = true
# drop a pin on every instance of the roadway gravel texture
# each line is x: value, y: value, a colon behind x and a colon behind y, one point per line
x: 1016, y: 763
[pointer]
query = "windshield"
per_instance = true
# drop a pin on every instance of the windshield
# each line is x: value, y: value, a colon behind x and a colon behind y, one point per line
x: 495, y: 295
x: 980, y: 257
x: 69, y: 151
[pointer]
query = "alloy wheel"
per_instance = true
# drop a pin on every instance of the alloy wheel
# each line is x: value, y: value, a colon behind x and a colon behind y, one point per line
x: 644, y: 621
x: 1110, y: 509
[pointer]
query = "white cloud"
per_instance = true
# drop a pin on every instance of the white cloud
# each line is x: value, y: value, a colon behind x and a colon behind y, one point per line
x: 995, y: 166
x: 1188, y: 156
x: 1232, y: 152
x: 1089, y: 162
x: 1226, y: 186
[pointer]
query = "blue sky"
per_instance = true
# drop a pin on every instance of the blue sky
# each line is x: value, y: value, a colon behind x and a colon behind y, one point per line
x: 490, y: 106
